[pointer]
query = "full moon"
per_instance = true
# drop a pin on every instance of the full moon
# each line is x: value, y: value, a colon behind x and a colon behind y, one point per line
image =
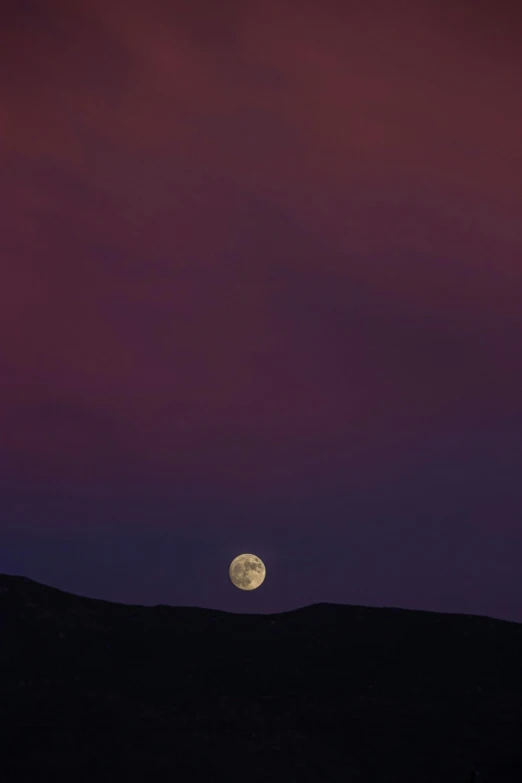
x: 247, y: 572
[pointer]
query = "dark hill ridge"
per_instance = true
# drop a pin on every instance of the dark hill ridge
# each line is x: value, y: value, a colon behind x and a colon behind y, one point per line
x: 92, y: 690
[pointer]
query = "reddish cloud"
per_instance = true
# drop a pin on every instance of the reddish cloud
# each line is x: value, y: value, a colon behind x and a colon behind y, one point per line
x: 262, y: 243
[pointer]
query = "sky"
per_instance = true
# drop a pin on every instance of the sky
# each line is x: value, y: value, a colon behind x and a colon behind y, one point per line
x: 261, y: 291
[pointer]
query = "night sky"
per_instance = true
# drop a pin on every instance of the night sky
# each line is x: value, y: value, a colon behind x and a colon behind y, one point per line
x: 261, y: 291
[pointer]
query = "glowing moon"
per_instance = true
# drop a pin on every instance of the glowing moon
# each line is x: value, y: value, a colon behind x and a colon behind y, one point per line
x: 247, y: 572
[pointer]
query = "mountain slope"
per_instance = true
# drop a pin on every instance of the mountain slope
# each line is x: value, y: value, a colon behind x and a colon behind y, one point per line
x: 91, y: 690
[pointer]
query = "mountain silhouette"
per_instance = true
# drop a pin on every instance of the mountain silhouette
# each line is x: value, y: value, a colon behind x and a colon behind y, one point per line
x: 92, y: 690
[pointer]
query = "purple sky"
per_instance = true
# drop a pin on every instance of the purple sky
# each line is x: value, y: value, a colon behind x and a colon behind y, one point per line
x: 261, y: 290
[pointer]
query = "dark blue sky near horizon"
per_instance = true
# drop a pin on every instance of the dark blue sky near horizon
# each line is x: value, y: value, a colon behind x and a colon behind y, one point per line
x: 261, y: 290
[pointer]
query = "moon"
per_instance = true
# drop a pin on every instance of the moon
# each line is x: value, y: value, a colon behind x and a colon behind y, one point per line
x: 247, y: 572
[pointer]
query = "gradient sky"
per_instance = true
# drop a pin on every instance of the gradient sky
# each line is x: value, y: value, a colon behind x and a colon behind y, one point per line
x: 261, y: 290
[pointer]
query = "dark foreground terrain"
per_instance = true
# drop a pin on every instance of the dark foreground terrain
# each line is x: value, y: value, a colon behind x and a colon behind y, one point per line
x: 96, y: 691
